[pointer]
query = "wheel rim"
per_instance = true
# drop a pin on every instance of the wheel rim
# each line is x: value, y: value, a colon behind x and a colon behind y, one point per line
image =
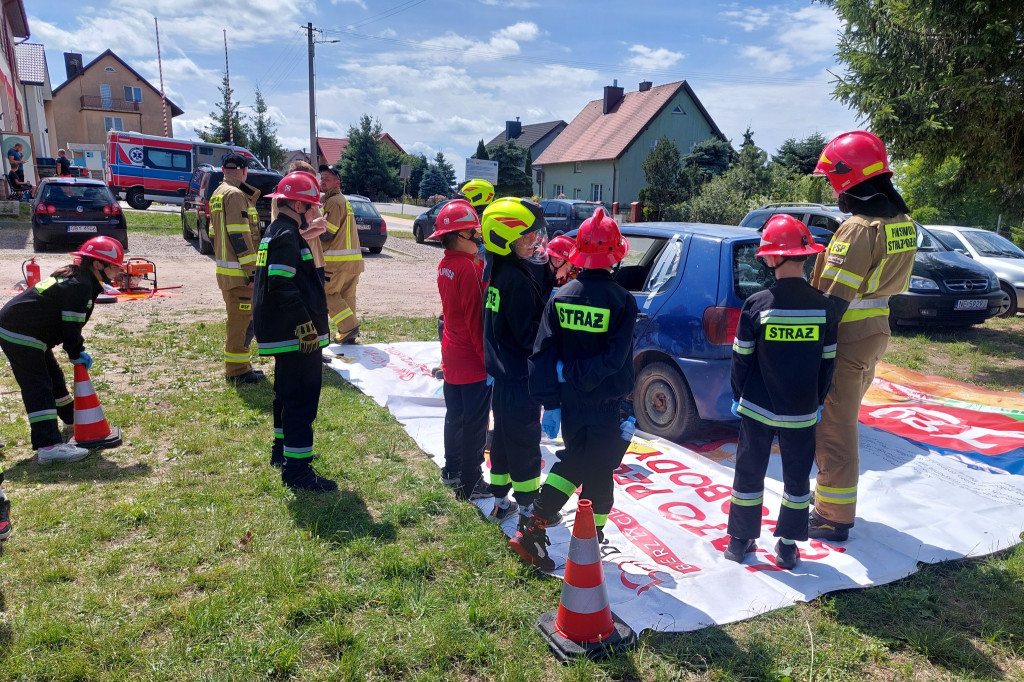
x: 1004, y: 305
x: 660, y: 403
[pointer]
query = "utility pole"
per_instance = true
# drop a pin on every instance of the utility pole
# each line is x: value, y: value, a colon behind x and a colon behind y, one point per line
x: 312, y: 91
x: 312, y: 99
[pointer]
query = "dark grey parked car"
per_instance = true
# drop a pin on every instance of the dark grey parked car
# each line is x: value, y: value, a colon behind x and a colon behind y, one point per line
x: 372, y: 229
x: 69, y: 211
x: 423, y: 225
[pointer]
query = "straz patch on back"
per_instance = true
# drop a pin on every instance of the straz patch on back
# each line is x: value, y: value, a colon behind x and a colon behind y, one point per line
x: 582, y: 318
x: 900, y: 237
x: 792, y: 332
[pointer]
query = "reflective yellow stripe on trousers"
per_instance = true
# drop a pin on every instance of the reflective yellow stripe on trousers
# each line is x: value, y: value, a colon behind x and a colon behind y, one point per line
x: 864, y: 308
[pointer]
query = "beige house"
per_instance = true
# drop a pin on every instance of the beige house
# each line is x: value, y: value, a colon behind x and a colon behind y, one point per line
x: 105, y: 94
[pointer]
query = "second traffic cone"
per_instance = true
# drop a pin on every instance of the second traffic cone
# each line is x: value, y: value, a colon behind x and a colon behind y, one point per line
x: 91, y: 428
x: 584, y: 624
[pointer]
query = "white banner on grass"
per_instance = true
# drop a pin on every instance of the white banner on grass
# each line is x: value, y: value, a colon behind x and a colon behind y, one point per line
x: 663, y: 563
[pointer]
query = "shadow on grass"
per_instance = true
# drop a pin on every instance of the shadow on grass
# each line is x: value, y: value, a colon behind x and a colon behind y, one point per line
x: 338, y: 517
x: 94, y: 468
x: 960, y: 615
x: 712, y: 648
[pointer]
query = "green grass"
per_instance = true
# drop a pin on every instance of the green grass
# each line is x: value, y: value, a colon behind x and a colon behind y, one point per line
x: 408, y: 215
x: 152, y: 222
x: 179, y: 556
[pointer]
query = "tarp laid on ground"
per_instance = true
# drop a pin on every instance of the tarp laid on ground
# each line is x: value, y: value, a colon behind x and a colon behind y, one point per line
x: 941, y: 478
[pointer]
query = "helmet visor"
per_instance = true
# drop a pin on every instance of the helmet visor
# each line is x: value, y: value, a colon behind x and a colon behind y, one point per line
x: 538, y: 243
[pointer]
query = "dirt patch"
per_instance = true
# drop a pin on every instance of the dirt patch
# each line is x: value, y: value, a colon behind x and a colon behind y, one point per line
x: 400, y: 282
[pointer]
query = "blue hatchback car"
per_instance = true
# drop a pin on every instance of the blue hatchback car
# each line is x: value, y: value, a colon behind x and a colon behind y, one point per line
x: 690, y: 281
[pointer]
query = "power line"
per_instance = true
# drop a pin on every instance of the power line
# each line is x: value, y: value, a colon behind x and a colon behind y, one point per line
x: 547, y: 61
x: 397, y: 9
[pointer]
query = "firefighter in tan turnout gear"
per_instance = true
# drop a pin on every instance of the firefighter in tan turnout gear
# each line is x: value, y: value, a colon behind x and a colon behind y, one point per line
x: 869, y: 259
x: 343, y: 257
x: 236, y: 232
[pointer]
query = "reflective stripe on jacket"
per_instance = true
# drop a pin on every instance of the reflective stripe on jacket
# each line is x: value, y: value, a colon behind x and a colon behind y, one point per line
x: 342, y: 252
x: 235, y: 228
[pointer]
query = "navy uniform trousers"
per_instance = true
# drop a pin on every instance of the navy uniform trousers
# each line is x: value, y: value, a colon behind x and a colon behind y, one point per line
x: 42, y: 390
x: 515, y: 445
x: 752, y: 453
x: 298, y: 378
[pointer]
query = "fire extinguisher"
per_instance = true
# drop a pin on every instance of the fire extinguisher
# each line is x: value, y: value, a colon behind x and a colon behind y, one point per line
x: 32, y: 273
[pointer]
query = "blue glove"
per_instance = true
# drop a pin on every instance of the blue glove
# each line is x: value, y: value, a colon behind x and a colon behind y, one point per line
x: 558, y: 368
x: 83, y: 359
x: 735, y: 409
x: 820, y: 410
x: 550, y: 422
x: 490, y: 380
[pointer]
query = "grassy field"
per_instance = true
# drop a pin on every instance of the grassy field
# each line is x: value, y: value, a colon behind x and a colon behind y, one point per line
x: 179, y: 556
x: 151, y: 222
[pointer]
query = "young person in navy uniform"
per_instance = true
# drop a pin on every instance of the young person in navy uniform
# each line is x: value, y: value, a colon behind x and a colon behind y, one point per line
x: 290, y: 321
x: 783, y: 358
x: 580, y: 370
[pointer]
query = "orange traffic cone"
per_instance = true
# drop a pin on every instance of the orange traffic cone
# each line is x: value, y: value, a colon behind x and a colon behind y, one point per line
x: 584, y: 624
x: 91, y: 427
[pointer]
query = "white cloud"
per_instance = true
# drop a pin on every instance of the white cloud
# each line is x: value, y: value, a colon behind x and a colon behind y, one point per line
x: 647, y: 59
x: 523, y: 30
x: 749, y: 18
x: 353, y: 2
x: 772, y: 61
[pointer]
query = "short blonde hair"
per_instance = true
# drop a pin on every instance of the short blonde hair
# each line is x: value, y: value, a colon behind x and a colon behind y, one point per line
x: 299, y: 165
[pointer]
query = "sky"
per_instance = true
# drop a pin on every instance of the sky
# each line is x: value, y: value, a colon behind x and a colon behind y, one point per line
x: 442, y: 74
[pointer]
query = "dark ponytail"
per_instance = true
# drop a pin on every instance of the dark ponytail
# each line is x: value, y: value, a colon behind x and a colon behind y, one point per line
x: 74, y: 269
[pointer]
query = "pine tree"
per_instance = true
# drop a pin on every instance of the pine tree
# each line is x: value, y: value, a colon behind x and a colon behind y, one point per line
x: 447, y: 171
x: 364, y: 168
x: 264, y: 143
x: 217, y: 132
x: 481, y: 152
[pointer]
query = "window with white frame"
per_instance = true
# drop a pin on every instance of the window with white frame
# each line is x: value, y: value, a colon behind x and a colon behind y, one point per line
x: 597, y: 192
x: 577, y: 193
x: 132, y: 94
x: 113, y: 123
x: 557, y: 191
x: 578, y: 168
x: 106, y: 101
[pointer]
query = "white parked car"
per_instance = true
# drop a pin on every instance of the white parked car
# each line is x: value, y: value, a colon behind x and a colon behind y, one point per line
x: 993, y: 251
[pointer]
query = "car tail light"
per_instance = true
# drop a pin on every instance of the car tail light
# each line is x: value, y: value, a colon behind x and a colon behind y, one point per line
x: 383, y: 227
x: 112, y: 209
x: 43, y: 209
x: 720, y: 325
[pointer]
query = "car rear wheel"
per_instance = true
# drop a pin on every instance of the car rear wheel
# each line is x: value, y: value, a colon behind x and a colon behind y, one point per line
x: 184, y: 229
x: 38, y: 246
x: 1008, y: 306
x: 417, y: 232
x: 375, y: 249
x: 663, y: 404
x: 137, y: 200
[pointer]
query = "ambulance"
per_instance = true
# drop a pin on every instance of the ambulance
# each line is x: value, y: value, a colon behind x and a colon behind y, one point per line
x: 142, y: 169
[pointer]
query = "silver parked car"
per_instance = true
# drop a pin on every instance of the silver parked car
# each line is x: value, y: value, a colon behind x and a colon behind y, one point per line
x: 993, y: 251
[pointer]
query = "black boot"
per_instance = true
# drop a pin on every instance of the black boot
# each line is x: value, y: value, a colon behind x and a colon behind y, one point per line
x: 298, y: 474
x: 276, y: 459
x: 786, y: 555
x: 820, y: 528
x: 738, y: 548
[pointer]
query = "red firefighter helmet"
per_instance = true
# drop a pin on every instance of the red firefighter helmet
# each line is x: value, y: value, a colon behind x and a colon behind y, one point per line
x: 598, y: 243
x: 851, y: 158
x: 560, y: 247
x: 299, y: 186
x: 106, y: 249
x: 454, y: 216
x: 784, y: 235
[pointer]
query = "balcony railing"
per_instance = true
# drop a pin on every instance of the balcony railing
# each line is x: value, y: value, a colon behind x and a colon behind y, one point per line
x: 108, y: 103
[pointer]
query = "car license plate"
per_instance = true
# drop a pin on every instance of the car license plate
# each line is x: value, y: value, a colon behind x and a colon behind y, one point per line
x: 81, y: 228
x: 971, y: 304
x: 363, y: 227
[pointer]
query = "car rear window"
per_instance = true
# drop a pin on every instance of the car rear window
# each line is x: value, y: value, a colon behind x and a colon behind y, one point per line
x: 750, y: 275
x: 55, y: 193
x: 584, y: 211
x: 364, y: 209
x: 756, y: 219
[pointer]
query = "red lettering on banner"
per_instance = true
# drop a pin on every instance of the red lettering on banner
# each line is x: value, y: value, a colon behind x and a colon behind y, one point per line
x: 680, y: 479
x: 643, y: 456
x: 699, y: 530
x: 664, y: 466
x: 648, y: 543
x: 714, y: 493
x: 669, y: 511
x: 639, y: 492
x: 625, y: 475
x: 953, y: 428
x: 414, y: 368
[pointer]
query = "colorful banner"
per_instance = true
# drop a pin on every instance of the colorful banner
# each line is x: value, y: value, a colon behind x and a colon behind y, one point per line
x: 924, y: 495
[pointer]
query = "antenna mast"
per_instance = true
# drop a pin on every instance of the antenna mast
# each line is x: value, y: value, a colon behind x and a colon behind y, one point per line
x: 227, y: 92
x: 160, y: 65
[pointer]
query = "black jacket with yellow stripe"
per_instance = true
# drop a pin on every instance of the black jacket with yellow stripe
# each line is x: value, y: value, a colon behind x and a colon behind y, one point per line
x: 513, y: 304
x: 784, y: 354
x: 287, y: 291
x: 50, y: 313
x: 588, y: 325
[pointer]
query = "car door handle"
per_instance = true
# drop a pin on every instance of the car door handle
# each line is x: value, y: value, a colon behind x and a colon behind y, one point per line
x: 641, y: 316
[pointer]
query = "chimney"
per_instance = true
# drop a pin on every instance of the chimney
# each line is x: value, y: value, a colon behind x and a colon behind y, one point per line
x: 513, y: 129
x: 72, y: 64
x: 645, y: 86
x: 612, y: 96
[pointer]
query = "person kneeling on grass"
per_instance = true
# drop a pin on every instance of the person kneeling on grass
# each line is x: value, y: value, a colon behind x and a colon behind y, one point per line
x: 782, y: 364
x: 53, y: 312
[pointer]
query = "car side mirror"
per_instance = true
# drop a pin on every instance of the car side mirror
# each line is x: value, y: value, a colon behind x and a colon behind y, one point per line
x: 965, y: 252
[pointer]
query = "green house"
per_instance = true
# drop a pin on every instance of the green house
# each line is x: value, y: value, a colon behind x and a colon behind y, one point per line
x: 599, y: 156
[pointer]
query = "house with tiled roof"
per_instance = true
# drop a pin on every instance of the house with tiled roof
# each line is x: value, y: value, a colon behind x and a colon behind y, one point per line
x: 34, y: 83
x: 106, y: 94
x: 599, y: 156
x: 536, y: 136
x: 331, y: 149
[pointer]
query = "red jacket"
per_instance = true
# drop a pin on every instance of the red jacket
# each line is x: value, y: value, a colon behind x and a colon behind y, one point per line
x: 459, y: 281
